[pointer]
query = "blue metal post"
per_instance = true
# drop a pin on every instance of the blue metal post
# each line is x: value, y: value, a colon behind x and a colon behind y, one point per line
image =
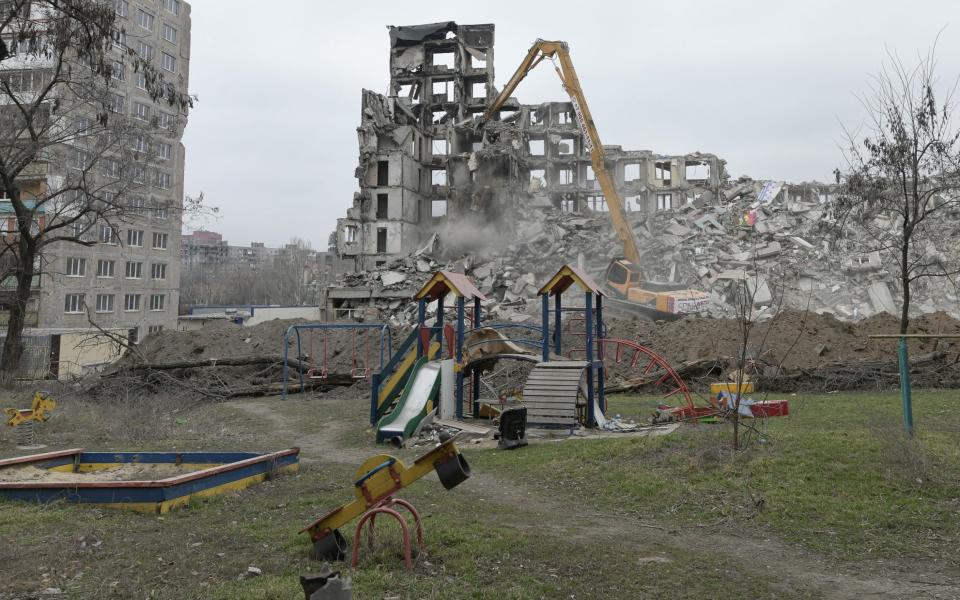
x: 545, y: 301
x: 905, y: 387
x: 461, y: 325
x: 374, y: 392
x: 601, y: 369
x: 476, y: 374
x: 440, y: 326
x: 557, y: 316
x: 591, y: 417
x: 421, y: 319
x: 286, y: 346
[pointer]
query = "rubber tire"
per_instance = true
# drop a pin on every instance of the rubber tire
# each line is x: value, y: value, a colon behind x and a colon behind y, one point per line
x: 453, y: 472
x: 331, y: 547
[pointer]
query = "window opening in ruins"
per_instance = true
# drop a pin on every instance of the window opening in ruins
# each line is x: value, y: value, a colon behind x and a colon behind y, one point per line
x: 444, y: 89
x: 597, y: 203
x: 568, y: 205
x: 664, y: 201
x: 536, y: 147
x: 591, y: 177
x: 350, y: 234
x: 438, y: 208
x: 383, y: 172
x: 381, y: 239
x: 534, y: 118
x: 478, y: 63
x: 537, y: 179
x: 507, y: 114
x: 438, y: 177
x: 632, y: 203
x: 631, y: 172
x: 566, y: 146
x: 413, y: 146
x: 405, y: 91
x: 697, y: 171
x: 440, y: 147
x: 661, y: 172
x: 564, y: 118
x: 478, y: 90
x: 476, y: 146
x: 382, y: 204
x: 437, y: 116
x: 565, y: 176
x: 442, y: 59
x: 419, y: 178
x: 693, y: 197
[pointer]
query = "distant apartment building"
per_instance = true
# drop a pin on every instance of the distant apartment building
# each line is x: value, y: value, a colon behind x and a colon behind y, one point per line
x: 129, y: 277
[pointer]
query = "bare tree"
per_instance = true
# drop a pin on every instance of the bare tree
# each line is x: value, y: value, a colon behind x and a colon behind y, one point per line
x: 69, y: 155
x: 903, y: 176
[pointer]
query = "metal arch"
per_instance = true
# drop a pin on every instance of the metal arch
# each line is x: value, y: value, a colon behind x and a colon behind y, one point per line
x: 628, y: 349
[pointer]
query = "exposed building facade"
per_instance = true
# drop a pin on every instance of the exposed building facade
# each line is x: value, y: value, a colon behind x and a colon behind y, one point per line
x: 423, y: 158
x: 129, y: 279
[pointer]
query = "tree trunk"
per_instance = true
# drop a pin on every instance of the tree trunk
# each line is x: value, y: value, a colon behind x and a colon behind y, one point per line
x: 905, y: 284
x: 13, y: 344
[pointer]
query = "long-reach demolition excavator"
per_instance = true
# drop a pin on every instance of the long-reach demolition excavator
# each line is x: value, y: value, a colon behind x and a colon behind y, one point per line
x: 624, y: 282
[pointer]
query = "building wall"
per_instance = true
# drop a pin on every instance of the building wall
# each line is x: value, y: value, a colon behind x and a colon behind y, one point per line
x: 58, y: 284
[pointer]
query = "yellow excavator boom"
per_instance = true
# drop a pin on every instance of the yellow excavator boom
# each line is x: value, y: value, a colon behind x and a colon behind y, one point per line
x: 540, y: 50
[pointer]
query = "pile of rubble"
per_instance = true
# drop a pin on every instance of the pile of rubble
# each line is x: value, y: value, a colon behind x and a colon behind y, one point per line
x: 781, y: 247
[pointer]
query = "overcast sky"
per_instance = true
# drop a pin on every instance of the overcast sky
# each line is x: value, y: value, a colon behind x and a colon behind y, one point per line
x: 273, y: 142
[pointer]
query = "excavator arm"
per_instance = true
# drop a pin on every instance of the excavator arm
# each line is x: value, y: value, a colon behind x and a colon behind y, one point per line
x: 540, y: 50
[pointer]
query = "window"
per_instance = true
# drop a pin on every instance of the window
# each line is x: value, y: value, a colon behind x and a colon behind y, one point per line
x: 74, y: 304
x: 442, y: 91
x: 159, y: 241
x: 118, y: 71
x: 134, y: 270
x: 478, y: 90
x: 697, y: 171
x: 76, y: 267
x: 350, y: 234
x: 158, y: 271
x: 105, y: 268
x: 383, y: 172
x: 664, y: 201
x: 439, y: 147
x: 661, y: 171
x: 169, y: 33
x: 115, y: 103
x: 538, y: 179
x: 139, y: 174
x: 164, y: 151
x: 119, y: 39
x: 568, y: 205
x: 165, y: 121
x: 141, y: 111
x: 122, y: 7
x: 438, y: 208
x: 161, y: 211
x: 172, y: 6
x: 141, y: 81
x: 566, y: 145
x: 631, y: 172
x: 140, y: 144
x: 131, y: 302
x: 108, y: 235
x: 382, y: 204
x: 111, y: 167
x: 155, y: 329
x: 145, y: 51
x: 144, y: 19
x: 565, y: 176
x: 442, y: 59
x: 105, y: 303
x: 564, y: 118
x: 381, y: 239
x: 438, y: 177
x: 81, y: 159
x: 156, y: 302
x: 168, y: 62
x: 135, y: 237
x: 536, y: 147
x: 163, y: 180
x: 597, y: 203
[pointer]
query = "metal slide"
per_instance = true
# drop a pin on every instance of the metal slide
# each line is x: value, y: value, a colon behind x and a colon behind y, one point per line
x: 422, y: 387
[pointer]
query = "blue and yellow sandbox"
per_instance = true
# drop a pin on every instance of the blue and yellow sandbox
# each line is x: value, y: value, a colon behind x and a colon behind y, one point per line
x: 207, y: 474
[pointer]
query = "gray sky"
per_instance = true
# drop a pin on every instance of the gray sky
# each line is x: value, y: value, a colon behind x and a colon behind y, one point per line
x: 273, y: 142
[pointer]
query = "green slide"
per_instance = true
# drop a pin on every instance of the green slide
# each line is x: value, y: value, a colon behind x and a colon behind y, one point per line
x: 423, y: 386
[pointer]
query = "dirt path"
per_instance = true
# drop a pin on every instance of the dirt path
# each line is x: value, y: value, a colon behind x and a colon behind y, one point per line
x: 791, y: 565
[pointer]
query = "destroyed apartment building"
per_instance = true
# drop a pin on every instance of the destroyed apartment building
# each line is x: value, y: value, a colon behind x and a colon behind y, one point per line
x: 424, y: 160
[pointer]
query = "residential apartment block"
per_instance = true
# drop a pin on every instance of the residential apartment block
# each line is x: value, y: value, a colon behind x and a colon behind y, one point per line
x: 129, y: 277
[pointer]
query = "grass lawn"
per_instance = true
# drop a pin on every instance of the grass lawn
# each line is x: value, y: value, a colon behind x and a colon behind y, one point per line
x: 833, y: 503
